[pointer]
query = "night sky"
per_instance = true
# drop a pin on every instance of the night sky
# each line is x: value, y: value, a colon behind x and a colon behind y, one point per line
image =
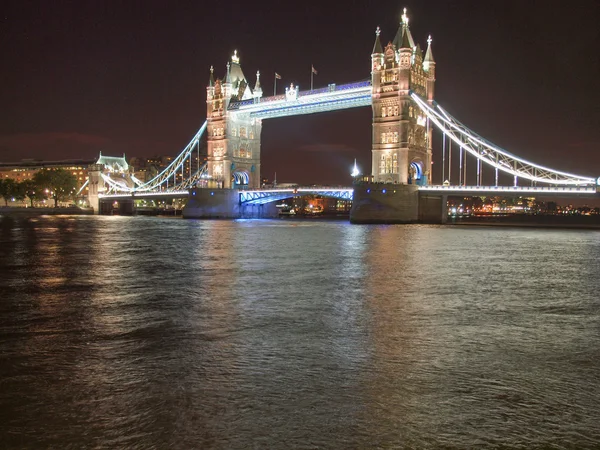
x: 80, y: 77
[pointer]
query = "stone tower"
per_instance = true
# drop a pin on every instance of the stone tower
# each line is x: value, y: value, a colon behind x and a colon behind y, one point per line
x: 401, y: 151
x: 233, y: 137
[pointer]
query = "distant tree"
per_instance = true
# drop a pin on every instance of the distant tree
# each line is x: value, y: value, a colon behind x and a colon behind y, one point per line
x: 32, y: 191
x: 59, y: 184
x: 18, y: 193
x: 9, y: 189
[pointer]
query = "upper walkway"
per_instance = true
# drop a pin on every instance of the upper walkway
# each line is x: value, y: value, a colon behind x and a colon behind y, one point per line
x: 293, y: 103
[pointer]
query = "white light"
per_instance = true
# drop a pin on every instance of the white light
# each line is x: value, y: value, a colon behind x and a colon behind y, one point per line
x: 356, y: 172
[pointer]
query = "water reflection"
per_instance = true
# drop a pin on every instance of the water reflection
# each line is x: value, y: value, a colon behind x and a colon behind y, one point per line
x: 119, y: 332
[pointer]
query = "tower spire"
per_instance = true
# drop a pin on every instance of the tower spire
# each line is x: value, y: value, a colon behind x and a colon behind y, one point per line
x: 377, y: 48
x: 404, y: 18
x: 403, y: 33
x: 257, y: 88
x: 257, y: 85
x: 406, y: 40
x: 211, y: 81
x: 429, y: 54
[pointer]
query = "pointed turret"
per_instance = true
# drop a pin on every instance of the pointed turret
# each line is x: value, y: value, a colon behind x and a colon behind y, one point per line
x: 405, y: 41
x: 429, y: 67
x: 397, y: 42
x: 403, y: 37
x: 257, y: 88
x: 377, y: 55
x: 429, y: 54
x: 211, y: 80
x: 406, y: 45
x: 377, y: 48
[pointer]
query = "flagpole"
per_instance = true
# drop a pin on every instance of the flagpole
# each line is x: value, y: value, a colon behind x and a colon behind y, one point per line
x: 312, y: 73
x: 275, y: 86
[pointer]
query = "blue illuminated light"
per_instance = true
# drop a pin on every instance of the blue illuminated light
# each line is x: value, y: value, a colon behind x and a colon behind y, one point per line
x: 212, y: 193
x: 383, y: 191
x: 368, y: 191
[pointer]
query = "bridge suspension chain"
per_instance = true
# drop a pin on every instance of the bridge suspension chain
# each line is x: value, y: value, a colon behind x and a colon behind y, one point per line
x: 161, y: 180
x: 493, y: 155
x: 170, y: 171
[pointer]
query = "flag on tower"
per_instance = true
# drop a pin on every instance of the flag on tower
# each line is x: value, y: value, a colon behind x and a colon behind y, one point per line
x: 277, y: 76
x: 313, y: 69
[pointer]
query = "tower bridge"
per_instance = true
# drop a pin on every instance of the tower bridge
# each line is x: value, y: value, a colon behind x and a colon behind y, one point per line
x: 401, y: 93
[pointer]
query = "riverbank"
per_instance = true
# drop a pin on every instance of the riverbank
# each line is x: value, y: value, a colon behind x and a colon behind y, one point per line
x: 10, y: 211
x: 531, y: 221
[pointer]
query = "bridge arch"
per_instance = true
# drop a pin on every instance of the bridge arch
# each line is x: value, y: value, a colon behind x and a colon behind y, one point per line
x: 240, y: 178
x: 415, y: 172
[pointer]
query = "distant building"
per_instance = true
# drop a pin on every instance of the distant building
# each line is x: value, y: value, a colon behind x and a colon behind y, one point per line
x: 27, y: 168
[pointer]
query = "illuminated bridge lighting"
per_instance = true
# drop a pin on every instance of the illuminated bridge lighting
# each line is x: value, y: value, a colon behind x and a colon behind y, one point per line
x: 264, y: 196
x: 333, y: 98
x: 134, y: 195
x: 499, y: 190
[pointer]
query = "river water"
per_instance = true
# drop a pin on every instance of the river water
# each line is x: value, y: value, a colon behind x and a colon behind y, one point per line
x: 134, y: 332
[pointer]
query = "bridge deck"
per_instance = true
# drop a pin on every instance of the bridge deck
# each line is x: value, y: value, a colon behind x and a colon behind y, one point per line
x: 261, y: 196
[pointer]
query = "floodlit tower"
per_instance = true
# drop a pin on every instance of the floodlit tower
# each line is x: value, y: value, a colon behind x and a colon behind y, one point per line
x: 401, y: 151
x: 233, y: 138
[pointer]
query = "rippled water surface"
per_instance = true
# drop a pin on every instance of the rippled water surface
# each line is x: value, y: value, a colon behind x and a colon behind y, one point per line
x: 164, y: 333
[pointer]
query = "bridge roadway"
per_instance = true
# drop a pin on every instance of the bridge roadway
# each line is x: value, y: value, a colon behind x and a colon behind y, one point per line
x: 263, y: 196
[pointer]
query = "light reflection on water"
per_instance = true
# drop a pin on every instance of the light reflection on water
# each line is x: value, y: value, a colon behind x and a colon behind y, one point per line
x: 144, y: 332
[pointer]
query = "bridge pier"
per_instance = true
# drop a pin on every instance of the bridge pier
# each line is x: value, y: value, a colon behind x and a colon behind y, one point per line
x: 396, y: 203
x: 121, y: 207
x: 433, y: 208
x: 205, y: 203
x: 384, y: 203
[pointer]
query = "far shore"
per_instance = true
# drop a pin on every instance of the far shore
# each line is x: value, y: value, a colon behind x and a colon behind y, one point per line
x: 532, y: 221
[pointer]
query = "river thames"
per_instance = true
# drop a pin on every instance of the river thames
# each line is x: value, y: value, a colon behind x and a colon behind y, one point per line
x: 144, y: 332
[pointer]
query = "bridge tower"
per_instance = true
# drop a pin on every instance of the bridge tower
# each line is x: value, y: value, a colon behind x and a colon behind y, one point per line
x: 233, y: 137
x: 401, y: 151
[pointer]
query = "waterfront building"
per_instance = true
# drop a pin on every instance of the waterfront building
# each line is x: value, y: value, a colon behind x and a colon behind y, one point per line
x: 27, y: 168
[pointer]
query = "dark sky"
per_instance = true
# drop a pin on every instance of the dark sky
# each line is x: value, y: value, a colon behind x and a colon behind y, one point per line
x: 130, y: 76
